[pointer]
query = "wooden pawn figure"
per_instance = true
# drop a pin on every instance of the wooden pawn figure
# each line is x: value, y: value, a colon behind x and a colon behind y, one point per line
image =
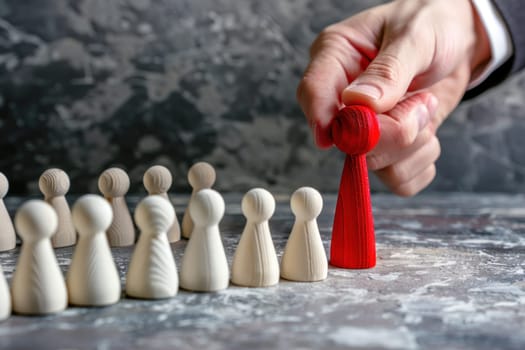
x: 114, y: 184
x: 152, y: 273
x: 157, y: 180
x: 204, y: 264
x: 5, y: 297
x: 7, y: 231
x: 200, y: 176
x: 355, y: 130
x: 37, y: 287
x: 255, y: 262
x: 92, y: 279
x: 54, y: 184
x: 304, y: 257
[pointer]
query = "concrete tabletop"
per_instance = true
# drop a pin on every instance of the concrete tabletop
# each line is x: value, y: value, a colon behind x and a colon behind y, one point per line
x: 450, y: 275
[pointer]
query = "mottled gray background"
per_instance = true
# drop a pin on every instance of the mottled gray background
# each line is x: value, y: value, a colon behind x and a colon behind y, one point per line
x: 87, y: 84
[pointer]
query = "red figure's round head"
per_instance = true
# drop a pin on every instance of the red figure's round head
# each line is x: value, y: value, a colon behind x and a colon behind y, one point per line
x: 355, y: 130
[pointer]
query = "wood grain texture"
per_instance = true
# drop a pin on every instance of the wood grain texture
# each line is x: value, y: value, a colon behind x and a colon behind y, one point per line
x: 304, y: 258
x: 200, y: 176
x: 92, y: 278
x: 7, y: 230
x: 204, y: 264
x: 255, y: 262
x: 54, y: 184
x: 5, y: 297
x: 355, y: 131
x: 37, y: 286
x: 152, y: 273
x: 157, y: 181
x: 174, y: 233
x: 114, y: 184
x: 66, y: 234
x: 121, y: 233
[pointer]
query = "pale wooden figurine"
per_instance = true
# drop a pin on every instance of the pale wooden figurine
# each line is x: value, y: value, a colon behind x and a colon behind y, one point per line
x: 200, y: 176
x: 304, y: 257
x: 114, y: 184
x: 54, y: 184
x: 5, y: 297
x: 37, y: 287
x: 7, y: 231
x: 204, y: 265
x: 152, y: 273
x: 255, y: 262
x: 92, y: 278
x: 157, y: 180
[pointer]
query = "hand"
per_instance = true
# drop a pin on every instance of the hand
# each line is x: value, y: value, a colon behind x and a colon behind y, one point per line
x: 410, y: 60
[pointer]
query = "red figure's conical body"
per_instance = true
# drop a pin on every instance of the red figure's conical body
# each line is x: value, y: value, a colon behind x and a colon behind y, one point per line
x: 355, y: 131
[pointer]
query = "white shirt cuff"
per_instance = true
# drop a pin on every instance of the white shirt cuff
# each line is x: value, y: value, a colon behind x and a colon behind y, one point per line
x: 499, y: 37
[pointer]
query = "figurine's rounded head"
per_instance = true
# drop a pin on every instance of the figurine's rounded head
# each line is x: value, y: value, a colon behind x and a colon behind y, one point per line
x: 157, y: 179
x: 258, y: 205
x: 206, y: 208
x: 306, y: 203
x: 154, y: 215
x: 355, y: 130
x: 113, y: 182
x: 4, y: 185
x: 201, y: 175
x: 36, y: 220
x: 91, y: 214
x: 54, y: 182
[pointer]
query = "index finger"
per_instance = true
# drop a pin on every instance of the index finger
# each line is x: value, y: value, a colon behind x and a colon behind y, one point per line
x: 334, y: 63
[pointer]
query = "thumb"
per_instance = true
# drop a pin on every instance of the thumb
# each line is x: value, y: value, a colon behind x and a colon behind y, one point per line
x: 387, y: 78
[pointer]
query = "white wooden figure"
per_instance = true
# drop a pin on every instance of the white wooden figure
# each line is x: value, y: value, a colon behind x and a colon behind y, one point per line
x: 152, y: 273
x: 7, y: 231
x: 304, y: 257
x: 93, y: 278
x: 157, y: 180
x: 114, y: 184
x: 54, y: 184
x: 200, y: 176
x: 255, y: 262
x: 204, y: 264
x: 5, y: 297
x: 38, y: 286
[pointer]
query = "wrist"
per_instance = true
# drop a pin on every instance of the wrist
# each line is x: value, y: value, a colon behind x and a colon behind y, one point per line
x: 481, y: 50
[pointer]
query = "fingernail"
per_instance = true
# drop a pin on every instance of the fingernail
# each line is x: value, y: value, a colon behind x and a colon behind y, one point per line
x: 422, y: 115
x: 369, y: 90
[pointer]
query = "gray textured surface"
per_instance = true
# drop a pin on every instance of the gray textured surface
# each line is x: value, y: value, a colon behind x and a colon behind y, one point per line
x: 87, y: 84
x: 450, y: 275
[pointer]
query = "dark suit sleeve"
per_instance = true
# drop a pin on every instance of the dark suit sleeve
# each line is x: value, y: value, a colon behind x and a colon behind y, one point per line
x: 513, y: 13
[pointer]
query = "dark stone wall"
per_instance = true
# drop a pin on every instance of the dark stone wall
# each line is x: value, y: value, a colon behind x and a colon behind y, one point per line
x: 88, y: 84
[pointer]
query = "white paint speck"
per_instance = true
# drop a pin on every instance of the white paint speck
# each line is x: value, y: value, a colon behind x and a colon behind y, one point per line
x: 385, y: 278
x: 400, y: 338
x: 413, y: 225
x: 499, y: 288
x: 413, y: 319
x: 506, y: 304
x: 445, y: 263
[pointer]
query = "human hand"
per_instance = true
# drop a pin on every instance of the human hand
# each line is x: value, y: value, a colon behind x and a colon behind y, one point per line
x: 411, y: 61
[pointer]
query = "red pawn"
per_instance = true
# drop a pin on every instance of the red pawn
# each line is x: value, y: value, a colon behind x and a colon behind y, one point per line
x: 355, y: 131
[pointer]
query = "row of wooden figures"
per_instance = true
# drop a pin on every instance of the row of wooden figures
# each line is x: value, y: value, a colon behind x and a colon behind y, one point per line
x: 113, y: 183
x: 38, y: 286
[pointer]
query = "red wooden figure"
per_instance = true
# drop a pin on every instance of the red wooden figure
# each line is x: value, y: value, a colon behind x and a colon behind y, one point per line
x: 355, y: 131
